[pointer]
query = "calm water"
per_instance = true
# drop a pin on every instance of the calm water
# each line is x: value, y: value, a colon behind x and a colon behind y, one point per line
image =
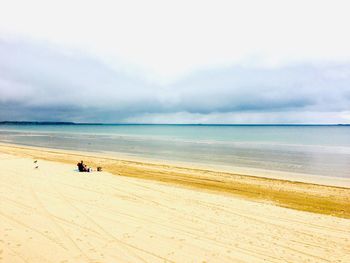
x: 319, y: 150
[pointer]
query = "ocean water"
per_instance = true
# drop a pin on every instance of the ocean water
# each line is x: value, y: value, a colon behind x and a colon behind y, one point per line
x: 313, y: 150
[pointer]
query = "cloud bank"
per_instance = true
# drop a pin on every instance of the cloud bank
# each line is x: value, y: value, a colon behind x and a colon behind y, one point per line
x: 185, y: 61
x: 39, y: 81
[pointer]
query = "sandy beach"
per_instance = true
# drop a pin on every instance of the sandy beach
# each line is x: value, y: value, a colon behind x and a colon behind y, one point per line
x: 139, y: 212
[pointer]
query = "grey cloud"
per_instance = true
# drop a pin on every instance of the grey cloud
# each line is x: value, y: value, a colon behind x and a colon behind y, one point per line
x: 41, y: 82
x: 242, y: 89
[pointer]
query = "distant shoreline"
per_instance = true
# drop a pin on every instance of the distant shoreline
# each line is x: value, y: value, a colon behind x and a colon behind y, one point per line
x: 155, y: 124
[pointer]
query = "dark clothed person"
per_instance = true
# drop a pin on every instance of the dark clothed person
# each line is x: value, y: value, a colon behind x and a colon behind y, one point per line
x: 82, y: 167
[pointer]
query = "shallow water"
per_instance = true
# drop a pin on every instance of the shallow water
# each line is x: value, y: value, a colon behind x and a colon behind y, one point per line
x: 318, y: 150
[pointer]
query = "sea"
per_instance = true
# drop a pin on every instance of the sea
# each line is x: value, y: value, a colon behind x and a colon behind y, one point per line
x: 307, y: 149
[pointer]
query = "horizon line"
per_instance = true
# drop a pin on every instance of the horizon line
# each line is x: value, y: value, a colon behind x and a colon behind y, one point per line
x: 179, y: 124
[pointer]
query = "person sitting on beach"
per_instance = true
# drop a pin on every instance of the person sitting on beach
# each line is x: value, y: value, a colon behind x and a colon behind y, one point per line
x: 82, y: 167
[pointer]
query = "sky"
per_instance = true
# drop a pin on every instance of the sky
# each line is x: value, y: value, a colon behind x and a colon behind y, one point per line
x: 245, y: 61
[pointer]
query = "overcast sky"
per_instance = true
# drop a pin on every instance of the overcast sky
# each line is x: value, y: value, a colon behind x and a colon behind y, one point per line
x: 248, y: 61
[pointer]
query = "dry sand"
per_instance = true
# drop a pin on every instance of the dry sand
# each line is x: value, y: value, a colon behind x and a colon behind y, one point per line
x: 55, y: 214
